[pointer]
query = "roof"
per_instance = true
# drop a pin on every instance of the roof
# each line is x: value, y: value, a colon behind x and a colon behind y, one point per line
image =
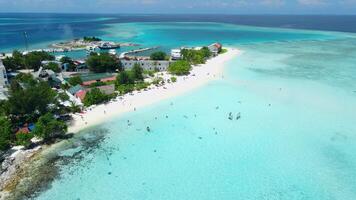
x: 75, y: 89
x: 107, y: 89
x: 87, y: 83
x: 218, y: 45
x: 23, y: 130
x: 81, y: 94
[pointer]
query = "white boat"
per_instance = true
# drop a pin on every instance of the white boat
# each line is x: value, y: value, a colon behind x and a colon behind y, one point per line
x: 112, y: 52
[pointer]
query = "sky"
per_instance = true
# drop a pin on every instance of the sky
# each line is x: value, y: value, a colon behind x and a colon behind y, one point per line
x: 182, y: 6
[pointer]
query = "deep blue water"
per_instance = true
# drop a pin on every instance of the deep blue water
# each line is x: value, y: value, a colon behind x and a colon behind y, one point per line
x: 43, y: 29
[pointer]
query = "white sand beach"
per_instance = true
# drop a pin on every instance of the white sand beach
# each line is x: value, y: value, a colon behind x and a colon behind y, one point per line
x: 212, y: 70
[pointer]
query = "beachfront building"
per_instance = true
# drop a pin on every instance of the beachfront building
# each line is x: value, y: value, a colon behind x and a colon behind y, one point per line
x: 215, y: 48
x: 176, y: 54
x: 3, y: 81
x: 160, y: 65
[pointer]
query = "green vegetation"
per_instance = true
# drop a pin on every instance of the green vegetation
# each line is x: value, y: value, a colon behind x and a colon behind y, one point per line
x: 95, y: 96
x: 91, y: 39
x: 5, y: 133
x: 48, y: 127
x: 128, y: 81
x: 53, y: 66
x: 102, y: 63
x: 24, y: 139
x: 173, y: 79
x: 100, y: 83
x: 158, y: 80
x: 137, y: 72
x: 29, y: 98
x: 125, y: 78
x: 196, y: 56
x: 222, y: 51
x: 159, y: 55
x: 31, y: 60
x: 180, y: 68
x: 141, y: 85
x: 75, y: 80
x: 30, y: 101
x: 69, y: 62
x: 150, y: 73
x: 124, y: 89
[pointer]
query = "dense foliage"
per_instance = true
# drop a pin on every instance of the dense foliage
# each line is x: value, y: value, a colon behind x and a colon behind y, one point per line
x: 29, y: 98
x: 53, y: 66
x: 32, y: 60
x: 5, y: 133
x: 137, y: 72
x: 196, y: 56
x: 180, y: 67
x: 24, y: 139
x: 69, y: 62
x: 128, y: 81
x: 48, y: 127
x: 75, y: 80
x: 102, y: 63
x: 159, y: 55
x: 91, y: 39
x: 95, y: 96
x: 30, y: 101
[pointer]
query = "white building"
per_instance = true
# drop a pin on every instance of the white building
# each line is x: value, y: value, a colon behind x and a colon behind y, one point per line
x: 176, y: 54
x: 215, y: 48
x: 161, y: 65
x: 3, y: 81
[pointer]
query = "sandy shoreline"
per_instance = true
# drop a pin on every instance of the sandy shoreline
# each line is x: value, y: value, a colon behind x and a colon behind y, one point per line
x: 200, y: 75
x: 18, y: 165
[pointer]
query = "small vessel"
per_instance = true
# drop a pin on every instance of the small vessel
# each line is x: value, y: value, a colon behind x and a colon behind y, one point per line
x: 90, y: 49
x: 112, y: 52
x: 109, y: 45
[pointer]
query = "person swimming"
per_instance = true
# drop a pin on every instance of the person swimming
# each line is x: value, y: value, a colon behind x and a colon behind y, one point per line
x: 230, y: 116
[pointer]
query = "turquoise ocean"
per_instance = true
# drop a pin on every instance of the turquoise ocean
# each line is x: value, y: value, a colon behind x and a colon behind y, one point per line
x: 295, y: 91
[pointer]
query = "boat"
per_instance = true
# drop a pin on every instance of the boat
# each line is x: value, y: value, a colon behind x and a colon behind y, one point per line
x: 112, y: 52
x: 108, y: 45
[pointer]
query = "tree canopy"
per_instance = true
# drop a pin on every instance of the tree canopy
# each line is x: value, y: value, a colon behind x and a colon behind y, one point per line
x: 180, y: 67
x: 95, y: 96
x: 124, y: 78
x: 53, y: 66
x: 102, y: 63
x: 67, y: 60
x: 137, y: 72
x: 196, y: 56
x: 32, y: 60
x: 75, y: 80
x: 91, y: 39
x: 48, y: 127
x: 159, y: 55
x: 29, y: 98
x: 5, y: 133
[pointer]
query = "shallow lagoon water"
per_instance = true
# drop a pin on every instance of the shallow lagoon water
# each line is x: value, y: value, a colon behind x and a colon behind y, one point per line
x: 295, y: 90
x: 296, y: 138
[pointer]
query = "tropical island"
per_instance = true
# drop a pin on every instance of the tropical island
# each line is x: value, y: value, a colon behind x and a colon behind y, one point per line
x: 47, y: 98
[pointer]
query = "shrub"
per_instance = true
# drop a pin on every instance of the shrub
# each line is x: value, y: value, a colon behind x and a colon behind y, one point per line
x: 180, y: 67
x: 102, y: 63
x: 24, y: 139
x: 95, y: 96
x: 47, y: 127
x: 159, y: 55
x: 53, y: 66
x: 173, y: 79
x: 75, y: 80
